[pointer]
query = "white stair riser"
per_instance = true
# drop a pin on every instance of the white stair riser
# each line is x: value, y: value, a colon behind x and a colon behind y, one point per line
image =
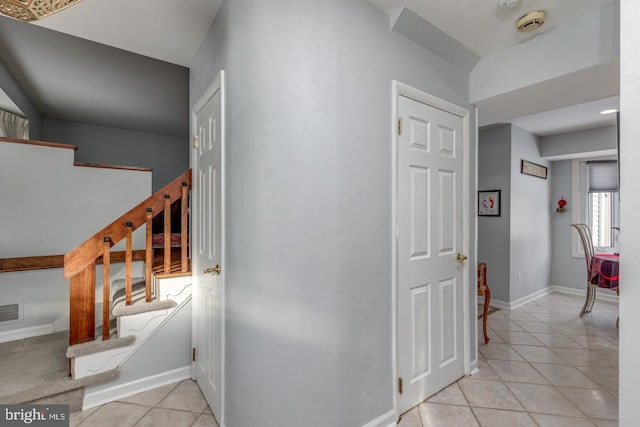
x: 142, y: 326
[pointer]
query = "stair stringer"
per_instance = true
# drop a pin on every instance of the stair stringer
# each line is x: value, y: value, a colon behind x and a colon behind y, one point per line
x: 142, y: 325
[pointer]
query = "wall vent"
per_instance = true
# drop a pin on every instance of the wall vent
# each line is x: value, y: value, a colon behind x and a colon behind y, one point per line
x: 11, y: 312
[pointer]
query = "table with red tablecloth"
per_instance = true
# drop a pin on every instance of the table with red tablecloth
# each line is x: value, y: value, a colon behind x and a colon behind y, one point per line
x: 604, y: 271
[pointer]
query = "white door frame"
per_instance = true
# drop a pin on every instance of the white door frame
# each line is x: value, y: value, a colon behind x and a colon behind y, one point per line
x: 400, y: 89
x: 218, y: 84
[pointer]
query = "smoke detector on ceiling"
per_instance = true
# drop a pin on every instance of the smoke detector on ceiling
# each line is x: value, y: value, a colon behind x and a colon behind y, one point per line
x: 531, y: 21
x: 509, y: 3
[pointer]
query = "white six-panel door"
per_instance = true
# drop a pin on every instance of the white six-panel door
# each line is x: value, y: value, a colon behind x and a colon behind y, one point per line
x: 206, y: 251
x: 429, y: 275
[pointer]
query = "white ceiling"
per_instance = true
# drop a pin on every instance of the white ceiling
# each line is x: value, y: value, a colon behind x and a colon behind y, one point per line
x: 168, y: 30
x: 172, y: 31
x: 484, y: 27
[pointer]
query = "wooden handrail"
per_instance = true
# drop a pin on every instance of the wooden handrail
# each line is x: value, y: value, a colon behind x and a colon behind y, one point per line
x: 86, y: 253
x: 80, y: 263
x: 42, y: 262
x: 39, y: 143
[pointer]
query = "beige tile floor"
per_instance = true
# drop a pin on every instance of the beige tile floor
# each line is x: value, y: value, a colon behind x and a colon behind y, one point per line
x: 174, y: 405
x: 544, y: 366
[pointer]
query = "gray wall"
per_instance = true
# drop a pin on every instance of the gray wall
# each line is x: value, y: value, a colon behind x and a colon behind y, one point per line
x: 309, y: 338
x: 566, y: 270
x: 494, y: 173
x: 517, y: 245
x: 530, y: 219
x: 168, y: 156
x: 590, y: 142
x: 22, y: 101
x: 156, y: 356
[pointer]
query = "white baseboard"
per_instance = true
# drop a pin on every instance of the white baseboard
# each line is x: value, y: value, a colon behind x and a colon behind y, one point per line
x: 100, y: 397
x: 602, y: 294
x: 33, y: 331
x: 520, y: 301
x: 384, y: 420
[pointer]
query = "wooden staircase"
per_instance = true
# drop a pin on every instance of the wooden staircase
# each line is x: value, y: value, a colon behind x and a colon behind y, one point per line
x: 172, y: 259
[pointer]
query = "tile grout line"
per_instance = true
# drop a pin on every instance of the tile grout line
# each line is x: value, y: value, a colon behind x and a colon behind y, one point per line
x: 570, y: 364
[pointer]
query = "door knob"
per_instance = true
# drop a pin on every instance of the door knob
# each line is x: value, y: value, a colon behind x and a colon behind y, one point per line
x: 461, y: 258
x: 214, y: 270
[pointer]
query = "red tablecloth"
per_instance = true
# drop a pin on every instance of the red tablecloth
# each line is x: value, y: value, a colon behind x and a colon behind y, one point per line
x: 604, y: 271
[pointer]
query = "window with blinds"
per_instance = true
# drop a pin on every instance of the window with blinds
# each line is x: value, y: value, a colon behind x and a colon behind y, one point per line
x: 602, y: 179
x: 603, y: 176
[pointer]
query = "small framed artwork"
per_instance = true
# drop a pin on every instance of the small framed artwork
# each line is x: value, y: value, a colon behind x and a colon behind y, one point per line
x: 533, y: 169
x: 489, y: 203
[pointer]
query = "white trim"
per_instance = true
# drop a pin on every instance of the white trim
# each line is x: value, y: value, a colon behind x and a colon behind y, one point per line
x: 401, y: 89
x: 580, y: 209
x: 466, y: 240
x: 606, y: 296
x: 33, y: 331
x: 394, y: 250
x: 384, y: 420
x: 520, y: 301
x: 474, y: 331
x: 218, y: 84
x: 601, y: 294
x: 120, y: 391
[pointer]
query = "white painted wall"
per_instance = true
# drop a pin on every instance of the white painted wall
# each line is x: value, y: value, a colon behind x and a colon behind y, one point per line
x: 48, y: 207
x: 630, y: 212
x: 309, y: 339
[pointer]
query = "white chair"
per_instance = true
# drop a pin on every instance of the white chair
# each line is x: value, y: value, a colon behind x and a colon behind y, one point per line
x: 587, y: 247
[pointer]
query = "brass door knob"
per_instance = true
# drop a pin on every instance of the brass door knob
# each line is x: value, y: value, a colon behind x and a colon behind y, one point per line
x: 461, y: 258
x: 214, y: 270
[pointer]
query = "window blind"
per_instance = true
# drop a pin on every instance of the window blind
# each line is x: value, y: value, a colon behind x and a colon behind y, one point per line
x: 603, y: 176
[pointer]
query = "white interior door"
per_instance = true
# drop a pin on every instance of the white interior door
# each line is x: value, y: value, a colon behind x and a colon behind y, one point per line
x: 208, y: 296
x: 429, y: 276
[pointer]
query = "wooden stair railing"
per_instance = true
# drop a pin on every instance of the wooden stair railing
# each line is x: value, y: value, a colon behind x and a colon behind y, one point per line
x: 80, y: 263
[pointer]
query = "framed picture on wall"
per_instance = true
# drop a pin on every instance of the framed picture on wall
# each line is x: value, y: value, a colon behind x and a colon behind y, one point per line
x: 533, y: 169
x: 489, y: 203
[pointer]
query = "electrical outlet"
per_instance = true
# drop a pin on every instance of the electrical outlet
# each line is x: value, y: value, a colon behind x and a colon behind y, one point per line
x: 519, y: 277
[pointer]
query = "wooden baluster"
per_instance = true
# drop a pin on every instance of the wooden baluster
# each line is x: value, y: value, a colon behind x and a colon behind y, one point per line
x: 82, y: 306
x: 167, y: 233
x: 184, y: 230
x: 106, y: 287
x: 148, y: 256
x: 128, y: 259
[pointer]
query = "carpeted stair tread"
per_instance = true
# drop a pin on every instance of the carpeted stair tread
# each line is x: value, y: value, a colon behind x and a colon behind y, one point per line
x: 92, y: 347
x: 36, y: 370
x: 128, y: 310
x: 40, y: 392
